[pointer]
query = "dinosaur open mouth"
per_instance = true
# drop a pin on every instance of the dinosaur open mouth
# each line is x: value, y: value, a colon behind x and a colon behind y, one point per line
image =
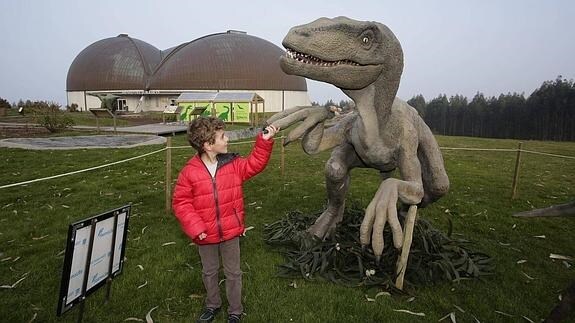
x: 309, y: 59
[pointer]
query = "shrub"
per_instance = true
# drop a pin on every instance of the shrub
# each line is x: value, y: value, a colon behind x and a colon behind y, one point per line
x: 50, y: 116
x: 4, y: 104
x: 72, y: 107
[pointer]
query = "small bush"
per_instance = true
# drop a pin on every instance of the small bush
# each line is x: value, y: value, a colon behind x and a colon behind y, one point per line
x: 49, y: 116
x: 72, y: 107
x: 4, y: 104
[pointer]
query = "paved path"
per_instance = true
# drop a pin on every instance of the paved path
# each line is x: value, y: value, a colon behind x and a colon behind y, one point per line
x: 139, y: 135
x: 160, y: 129
x: 83, y: 142
x: 149, y: 134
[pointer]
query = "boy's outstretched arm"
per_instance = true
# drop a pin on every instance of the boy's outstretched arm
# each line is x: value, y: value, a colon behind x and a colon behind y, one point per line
x: 260, y: 155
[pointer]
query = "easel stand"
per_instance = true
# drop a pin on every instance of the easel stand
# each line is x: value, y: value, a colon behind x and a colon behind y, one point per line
x: 87, y: 267
x: 86, y: 271
x: 111, y: 266
x: 103, y: 113
x: 90, y: 242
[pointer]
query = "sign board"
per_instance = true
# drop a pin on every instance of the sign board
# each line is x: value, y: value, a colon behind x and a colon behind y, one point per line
x: 94, y: 253
x: 172, y: 109
x: 239, y: 112
x: 197, y: 111
x: 189, y: 110
x: 102, y: 113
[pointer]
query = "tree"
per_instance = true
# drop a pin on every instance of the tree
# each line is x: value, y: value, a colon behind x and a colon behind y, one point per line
x: 418, y: 102
x: 329, y: 103
x: 4, y: 104
x: 477, y: 108
x: 436, y: 114
x: 456, y: 115
x: 552, y: 110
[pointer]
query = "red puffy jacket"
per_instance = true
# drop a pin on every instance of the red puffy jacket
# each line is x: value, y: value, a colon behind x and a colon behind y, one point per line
x: 215, y: 206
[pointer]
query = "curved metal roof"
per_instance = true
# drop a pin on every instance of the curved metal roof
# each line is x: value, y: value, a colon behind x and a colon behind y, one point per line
x: 117, y: 63
x: 227, y: 61
x: 224, y: 61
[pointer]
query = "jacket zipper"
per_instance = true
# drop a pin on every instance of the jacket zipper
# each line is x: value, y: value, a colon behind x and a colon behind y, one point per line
x: 220, y: 231
x: 217, y: 208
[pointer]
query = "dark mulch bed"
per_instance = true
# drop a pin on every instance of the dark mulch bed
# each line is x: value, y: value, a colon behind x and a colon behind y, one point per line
x: 17, y: 131
x: 435, y: 256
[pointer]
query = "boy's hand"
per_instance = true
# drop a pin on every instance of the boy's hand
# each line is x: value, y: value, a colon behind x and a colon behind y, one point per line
x: 271, y: 131
x: 202, y: 236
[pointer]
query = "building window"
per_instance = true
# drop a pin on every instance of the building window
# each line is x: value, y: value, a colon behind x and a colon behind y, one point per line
x: 122, y: 105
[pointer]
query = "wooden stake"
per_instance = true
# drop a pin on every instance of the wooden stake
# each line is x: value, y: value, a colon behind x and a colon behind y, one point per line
x: 283, y: 154
x: 516, y: 173
x: 168, y: 175
x: 406, y: 247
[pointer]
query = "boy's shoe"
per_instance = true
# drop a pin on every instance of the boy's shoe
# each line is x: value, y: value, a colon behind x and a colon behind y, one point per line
x: 208, y: 315
x: 234, y: 318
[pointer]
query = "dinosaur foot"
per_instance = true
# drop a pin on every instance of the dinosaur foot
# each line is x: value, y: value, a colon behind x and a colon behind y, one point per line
x: 325, y: 224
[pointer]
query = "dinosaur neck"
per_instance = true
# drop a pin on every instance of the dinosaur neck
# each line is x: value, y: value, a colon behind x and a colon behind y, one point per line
x: 374, y: 101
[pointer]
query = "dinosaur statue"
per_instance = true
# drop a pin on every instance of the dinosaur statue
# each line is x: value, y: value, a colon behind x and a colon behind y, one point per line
x: 109, y: 101
x: 364, y: 60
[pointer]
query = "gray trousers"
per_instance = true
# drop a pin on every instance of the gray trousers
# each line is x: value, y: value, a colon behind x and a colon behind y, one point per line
x: 230, y: 252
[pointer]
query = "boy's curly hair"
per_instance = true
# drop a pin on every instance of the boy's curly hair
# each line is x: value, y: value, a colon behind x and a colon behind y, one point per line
x: 202, y: 130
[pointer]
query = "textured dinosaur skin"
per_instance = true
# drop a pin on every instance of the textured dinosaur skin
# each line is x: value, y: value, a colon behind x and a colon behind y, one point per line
x: 364, y: 60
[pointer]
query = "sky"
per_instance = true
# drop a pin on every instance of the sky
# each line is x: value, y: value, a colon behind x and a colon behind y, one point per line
x: 450, y: 46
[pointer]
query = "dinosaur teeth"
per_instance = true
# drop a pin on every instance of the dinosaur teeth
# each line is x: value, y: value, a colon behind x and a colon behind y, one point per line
x: 310, y: 59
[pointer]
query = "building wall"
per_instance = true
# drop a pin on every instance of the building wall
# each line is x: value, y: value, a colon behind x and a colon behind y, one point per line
x: 275, y: 101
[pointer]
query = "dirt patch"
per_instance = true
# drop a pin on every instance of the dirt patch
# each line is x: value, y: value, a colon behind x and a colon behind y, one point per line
x: 18, y: 131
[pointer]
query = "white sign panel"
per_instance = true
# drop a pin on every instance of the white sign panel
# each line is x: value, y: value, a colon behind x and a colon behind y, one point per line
x: 101, y: 229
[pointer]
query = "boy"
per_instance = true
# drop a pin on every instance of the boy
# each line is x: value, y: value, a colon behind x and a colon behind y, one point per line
x: 208, y: 202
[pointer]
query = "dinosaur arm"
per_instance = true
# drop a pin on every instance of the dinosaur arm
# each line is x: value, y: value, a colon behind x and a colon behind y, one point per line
x: 321, y: 138
x: 311, y: 127
x: 410, y: 188
x: 382, y: 209
x: 290, y: 116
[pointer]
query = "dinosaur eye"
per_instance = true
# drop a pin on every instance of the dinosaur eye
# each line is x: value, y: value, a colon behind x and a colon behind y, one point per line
x: 367, y: 37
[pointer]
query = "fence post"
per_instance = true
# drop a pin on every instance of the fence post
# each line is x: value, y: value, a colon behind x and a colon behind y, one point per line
x: 282, y: 158
x: 168, y: 175
x: 516, y: 173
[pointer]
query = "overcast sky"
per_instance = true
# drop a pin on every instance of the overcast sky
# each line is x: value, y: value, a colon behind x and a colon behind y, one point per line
x: 450, y: 46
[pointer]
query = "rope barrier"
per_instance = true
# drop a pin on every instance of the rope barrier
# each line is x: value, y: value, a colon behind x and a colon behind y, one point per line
x: 230, y: 143
x: 81, y: 171
x: 478, y: 149
x: 252, y: 141
x: 547, y: 154
x: 507, y: 150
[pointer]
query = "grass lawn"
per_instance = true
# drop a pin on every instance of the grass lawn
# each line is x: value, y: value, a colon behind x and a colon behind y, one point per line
x: 34, y: 221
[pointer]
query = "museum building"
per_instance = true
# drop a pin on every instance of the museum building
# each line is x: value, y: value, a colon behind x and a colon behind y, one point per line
x: 148, y: 79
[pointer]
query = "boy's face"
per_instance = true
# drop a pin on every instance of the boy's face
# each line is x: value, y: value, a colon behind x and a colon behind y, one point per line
x: 220, y: 145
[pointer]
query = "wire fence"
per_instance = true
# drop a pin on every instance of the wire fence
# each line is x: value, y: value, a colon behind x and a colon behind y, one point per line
x: 169, y: 148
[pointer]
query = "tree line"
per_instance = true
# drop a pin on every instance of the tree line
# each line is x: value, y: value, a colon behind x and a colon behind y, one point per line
x: 547, y: 114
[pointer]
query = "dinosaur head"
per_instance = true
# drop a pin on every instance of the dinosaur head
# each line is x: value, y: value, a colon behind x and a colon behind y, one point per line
x: 347, y: 53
